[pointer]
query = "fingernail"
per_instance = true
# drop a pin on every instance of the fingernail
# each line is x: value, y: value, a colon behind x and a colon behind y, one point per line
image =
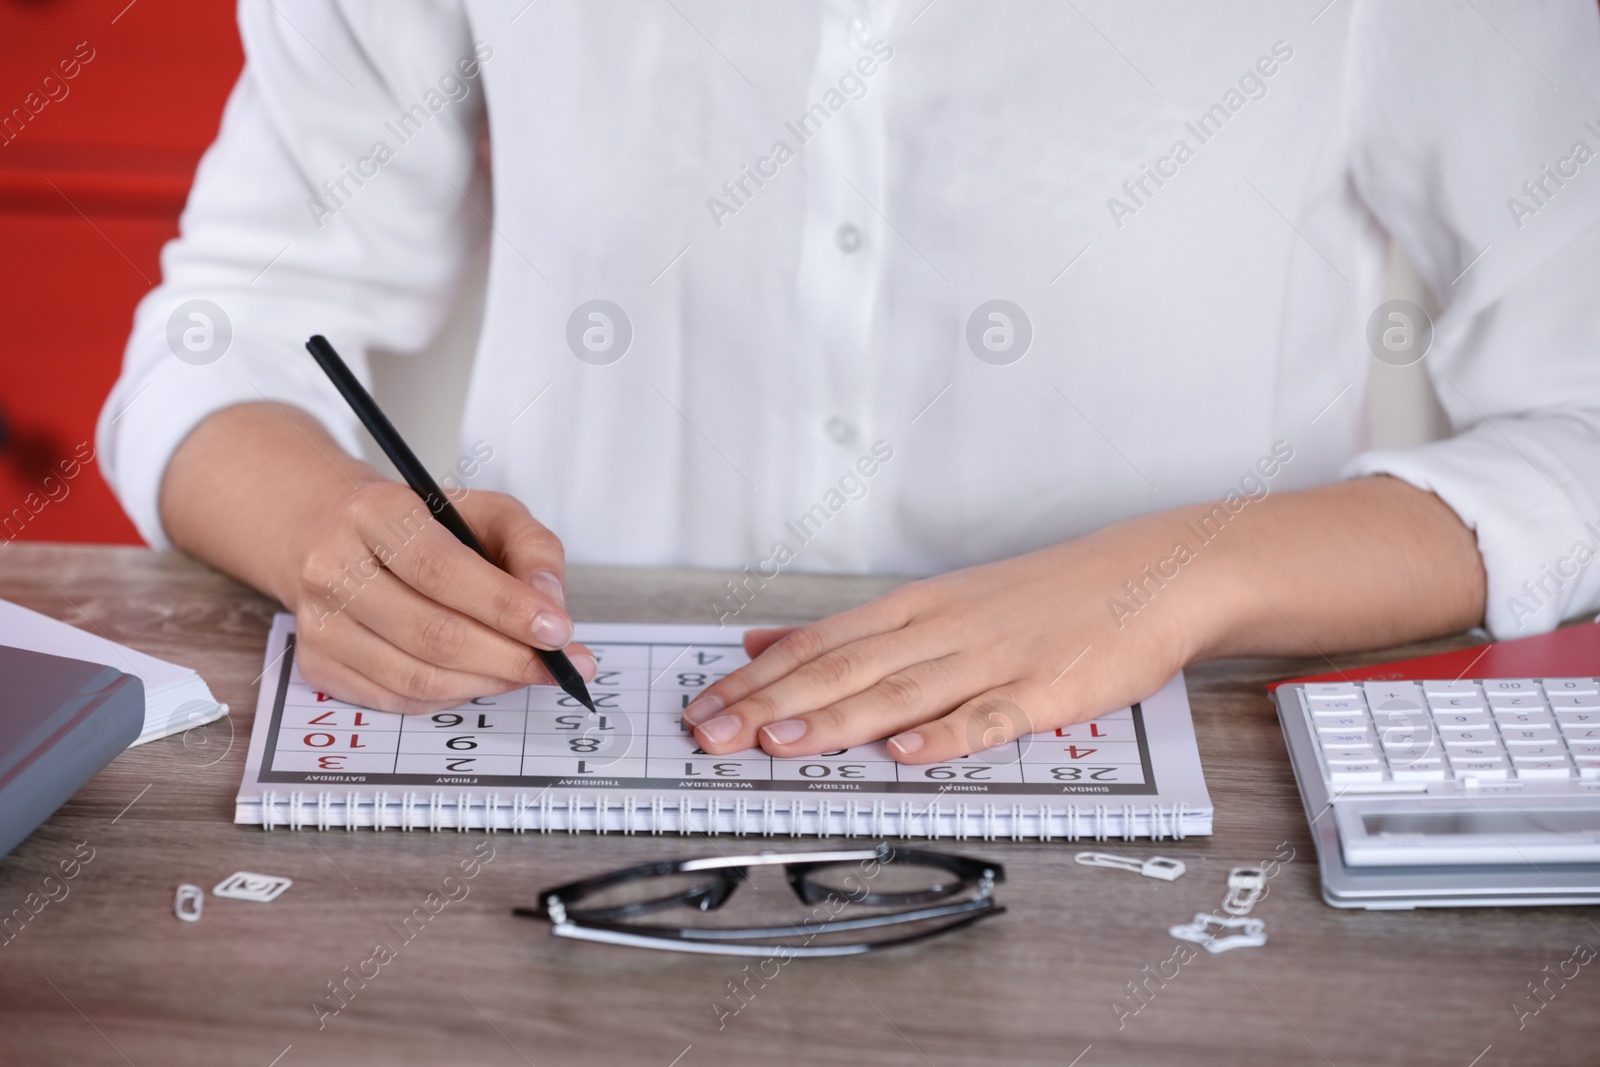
x: 908, y: 743
x: 702, y: 708
x: 548, y: 584
x: 785, y: 731
x: 551, y: 631
x: 721, y: 730
x: 585, y: 664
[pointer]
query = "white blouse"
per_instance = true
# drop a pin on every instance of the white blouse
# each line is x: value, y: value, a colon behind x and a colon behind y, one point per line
x: 859, y: 285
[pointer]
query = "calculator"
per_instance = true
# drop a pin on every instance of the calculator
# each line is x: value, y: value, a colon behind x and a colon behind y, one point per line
x: 1450, y: 792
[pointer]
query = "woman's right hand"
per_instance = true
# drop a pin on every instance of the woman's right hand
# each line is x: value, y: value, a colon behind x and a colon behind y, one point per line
x: 393, y: 613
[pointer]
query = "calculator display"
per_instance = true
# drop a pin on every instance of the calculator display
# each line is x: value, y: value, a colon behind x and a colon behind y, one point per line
x: 1480, y: 822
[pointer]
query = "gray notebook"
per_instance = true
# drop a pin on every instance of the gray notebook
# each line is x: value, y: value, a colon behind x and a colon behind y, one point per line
x: 175, y: 697
x: 63, y: 721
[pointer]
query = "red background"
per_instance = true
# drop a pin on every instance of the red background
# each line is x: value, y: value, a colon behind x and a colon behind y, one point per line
x: 90, y: 189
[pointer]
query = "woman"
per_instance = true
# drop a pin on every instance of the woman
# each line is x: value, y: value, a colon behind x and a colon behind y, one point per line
x: 1073, y: 315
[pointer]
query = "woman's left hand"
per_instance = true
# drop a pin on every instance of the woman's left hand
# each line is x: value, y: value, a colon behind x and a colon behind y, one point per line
x: 966, y: 661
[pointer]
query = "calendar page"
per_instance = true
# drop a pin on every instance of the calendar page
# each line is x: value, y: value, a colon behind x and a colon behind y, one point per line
x: 538, y: 739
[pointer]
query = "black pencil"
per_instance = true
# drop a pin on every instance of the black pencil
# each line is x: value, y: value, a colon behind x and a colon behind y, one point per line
x: 422, y: 483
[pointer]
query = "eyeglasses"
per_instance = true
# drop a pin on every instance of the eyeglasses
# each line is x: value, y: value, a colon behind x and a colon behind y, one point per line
x: 934, y: 893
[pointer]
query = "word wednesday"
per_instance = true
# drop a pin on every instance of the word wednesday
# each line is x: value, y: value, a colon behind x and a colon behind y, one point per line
x: 1209, y: 123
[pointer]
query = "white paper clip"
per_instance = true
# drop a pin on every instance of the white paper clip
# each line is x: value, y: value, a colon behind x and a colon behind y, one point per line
x: 1245, y: 886
x: 242, y: 885
x: 1252, y: 932
x: 186, y: 905
x: 1154, y: 867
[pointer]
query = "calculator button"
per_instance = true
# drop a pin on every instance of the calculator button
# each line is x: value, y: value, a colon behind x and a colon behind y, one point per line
x: 1345, y: 737
x: 1536, y: 750
x: 1517, y: 717
x: 1542, y: 733
x: 1331, y: 689
x: 1462, y: 719
x: 1424, y: 771
x: 1357, y: 772
x: 1589, y: 768
x: 1363, y: 753
x: 1579, y: 725
x: 1543, y: 768
x: 1466, y: 751
x: 1407, y: 755
x: 1339, y: 720
x: 1397, y: 738
x: 1574, y: 701
x: 1392, y: 725
x: 1458, y: 703
x: 1452, y: 736
x: 1521, y: 699
x: 1459, y: 687
x: 1585, y: 749
x: 1394, y: 696
x: 1350, y: 761
x: 1481, y: 768
x: 1349, y: 703
x: 1510, y: 685
x: 1399, y: 711
x: 1552, y: 686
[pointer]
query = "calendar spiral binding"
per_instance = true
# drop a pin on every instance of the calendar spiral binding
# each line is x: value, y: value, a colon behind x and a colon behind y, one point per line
x: 737, y: 816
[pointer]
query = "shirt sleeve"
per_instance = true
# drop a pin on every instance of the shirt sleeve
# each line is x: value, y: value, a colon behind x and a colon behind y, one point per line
x: 334, y: 201
x: 1474, y: 134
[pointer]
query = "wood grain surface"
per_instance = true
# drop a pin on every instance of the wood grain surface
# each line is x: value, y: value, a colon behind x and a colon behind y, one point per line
x: 103, y: 973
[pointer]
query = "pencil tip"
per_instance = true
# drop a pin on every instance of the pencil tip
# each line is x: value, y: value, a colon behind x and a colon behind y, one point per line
x: 580, y: 693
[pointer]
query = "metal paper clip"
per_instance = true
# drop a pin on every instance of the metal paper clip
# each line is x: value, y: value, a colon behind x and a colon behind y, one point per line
x: 1246, y: 885
x: 243, y: 885
x: 186, y: 905
x: 1154, y: 867
x: 1252, y: 932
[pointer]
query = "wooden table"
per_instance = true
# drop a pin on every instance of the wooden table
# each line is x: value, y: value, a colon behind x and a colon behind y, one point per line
x: 106, y: 975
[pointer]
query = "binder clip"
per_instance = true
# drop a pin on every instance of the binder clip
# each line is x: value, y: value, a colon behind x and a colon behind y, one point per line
x: 186, y: 905
x: 1246, y: 885
x: 1154, y: 867
x: 1252, y: 933
x: 243, y: 885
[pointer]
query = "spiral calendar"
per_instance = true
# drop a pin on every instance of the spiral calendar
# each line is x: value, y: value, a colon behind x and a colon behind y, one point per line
x: 536, y: 760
